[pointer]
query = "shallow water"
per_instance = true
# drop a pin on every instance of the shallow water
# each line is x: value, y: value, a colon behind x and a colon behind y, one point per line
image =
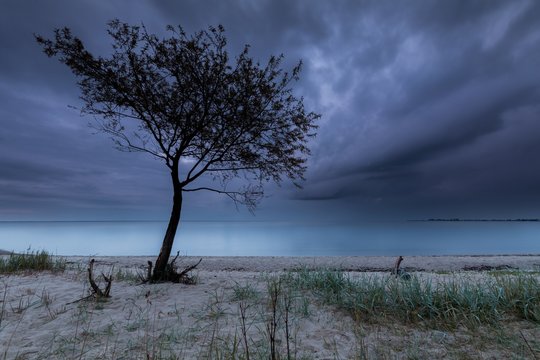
x: 275, y: 238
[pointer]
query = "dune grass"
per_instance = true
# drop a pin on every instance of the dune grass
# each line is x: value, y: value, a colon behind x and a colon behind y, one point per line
x: 446, y: 304
x: 31, y: 261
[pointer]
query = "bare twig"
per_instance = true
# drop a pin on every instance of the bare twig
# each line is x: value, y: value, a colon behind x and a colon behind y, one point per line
x: 274, y: 291
x: 188, y: 269
x: 81, y: 299
x: 287, y: 302
x: 108, y: 280
x: 528, y: 345
x: 243, y: 309
x: 173, y: 260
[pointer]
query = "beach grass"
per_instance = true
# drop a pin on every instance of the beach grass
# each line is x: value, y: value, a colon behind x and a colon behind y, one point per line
x: 421, y: 314
x: 31, y: 260
x: 445, y: 304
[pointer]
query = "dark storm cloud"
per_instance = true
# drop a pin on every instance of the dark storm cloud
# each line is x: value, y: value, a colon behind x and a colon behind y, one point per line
x: 442, y: 85
x: 426, y: 105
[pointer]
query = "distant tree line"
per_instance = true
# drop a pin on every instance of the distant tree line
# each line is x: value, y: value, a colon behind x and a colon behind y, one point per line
x: 477, y: 220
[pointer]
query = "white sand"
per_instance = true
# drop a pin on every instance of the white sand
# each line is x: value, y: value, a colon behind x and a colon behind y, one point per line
x: 41, y: 317
x: 347, y: 263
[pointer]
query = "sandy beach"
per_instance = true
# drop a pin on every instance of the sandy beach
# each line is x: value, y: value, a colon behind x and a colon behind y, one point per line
x: 43, y: 316
x: 345, y: 263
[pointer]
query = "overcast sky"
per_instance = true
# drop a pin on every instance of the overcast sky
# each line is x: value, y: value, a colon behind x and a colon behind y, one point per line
x: 429, y: 109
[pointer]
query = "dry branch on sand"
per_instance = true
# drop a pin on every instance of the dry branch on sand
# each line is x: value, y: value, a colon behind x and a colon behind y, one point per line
x: 95, y: 288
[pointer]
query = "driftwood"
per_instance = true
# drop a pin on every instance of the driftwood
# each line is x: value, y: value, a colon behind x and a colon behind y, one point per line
x: 400, y: 273
x: 397, y: 264
x: 95, y: 288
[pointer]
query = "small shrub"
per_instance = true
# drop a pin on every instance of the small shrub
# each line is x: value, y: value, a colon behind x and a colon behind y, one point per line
x: 244, y: 292
x: 128, y: 276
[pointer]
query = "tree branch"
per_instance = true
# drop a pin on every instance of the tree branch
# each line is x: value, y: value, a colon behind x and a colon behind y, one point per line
x: 249, y: 197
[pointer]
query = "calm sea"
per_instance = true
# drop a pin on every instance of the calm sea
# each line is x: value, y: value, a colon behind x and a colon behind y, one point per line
x: 275, y: 238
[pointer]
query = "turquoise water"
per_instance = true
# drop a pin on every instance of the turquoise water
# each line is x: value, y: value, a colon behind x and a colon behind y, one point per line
x: 275, y: 238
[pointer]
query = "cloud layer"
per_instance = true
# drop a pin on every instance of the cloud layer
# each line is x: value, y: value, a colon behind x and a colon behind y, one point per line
x: 430, y: 109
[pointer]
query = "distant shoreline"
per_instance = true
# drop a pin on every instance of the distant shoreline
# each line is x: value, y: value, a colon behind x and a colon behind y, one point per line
x: 429, y: 263
x: 475, y: 220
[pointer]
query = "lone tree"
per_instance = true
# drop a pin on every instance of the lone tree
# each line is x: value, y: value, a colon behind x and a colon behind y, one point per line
x: 184, y: 101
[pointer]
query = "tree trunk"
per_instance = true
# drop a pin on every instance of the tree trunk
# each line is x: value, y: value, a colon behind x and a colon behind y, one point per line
x: 166, y: 246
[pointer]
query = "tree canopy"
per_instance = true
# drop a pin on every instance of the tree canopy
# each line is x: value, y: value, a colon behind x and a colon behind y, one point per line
x: 192, y: 103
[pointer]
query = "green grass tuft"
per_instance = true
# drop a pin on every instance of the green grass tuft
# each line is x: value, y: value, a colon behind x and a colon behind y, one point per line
x: 244, y: 292
x: 31, y: 261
